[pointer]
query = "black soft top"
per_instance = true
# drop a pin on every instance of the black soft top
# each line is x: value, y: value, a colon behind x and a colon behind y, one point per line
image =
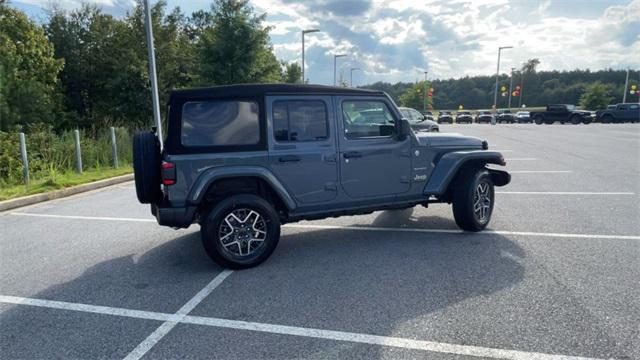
x: 250, y: 90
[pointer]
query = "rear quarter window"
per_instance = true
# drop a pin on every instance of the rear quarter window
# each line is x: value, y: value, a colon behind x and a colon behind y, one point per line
x: 220, y: 123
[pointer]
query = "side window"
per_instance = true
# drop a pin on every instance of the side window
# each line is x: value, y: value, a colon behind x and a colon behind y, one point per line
x: 416, y: 116
x: 300, y: 120
x: 634, y: 107
x: 367, y: 119
x: 623, y: 107
x: 220, y: 123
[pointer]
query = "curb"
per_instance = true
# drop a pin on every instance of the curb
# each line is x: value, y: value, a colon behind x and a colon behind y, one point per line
x: 56, y: 194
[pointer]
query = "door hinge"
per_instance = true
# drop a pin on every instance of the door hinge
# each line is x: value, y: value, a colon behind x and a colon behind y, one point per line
x: 329, y: 158
x: 404, y: 180
x: 330, y: 186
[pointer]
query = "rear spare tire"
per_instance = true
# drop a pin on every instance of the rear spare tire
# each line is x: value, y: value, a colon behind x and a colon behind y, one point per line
x: 146, y: 167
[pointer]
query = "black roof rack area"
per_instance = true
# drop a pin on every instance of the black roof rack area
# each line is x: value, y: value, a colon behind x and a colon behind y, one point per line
x: 250, y: 90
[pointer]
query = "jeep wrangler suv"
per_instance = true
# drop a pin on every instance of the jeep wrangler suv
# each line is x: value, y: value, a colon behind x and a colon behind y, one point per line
x: 241, y: 160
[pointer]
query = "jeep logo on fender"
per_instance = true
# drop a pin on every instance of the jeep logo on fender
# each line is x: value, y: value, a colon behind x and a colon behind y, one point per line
x: 420, y: 178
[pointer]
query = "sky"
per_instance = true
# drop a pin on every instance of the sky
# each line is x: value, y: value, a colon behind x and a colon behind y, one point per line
x: 397, y: 40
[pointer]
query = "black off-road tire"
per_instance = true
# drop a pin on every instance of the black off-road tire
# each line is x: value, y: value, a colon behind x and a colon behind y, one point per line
x: 607, y: 119
x: 538, y: 119
x: 214, y: 224
x: 466, y: 184
x: 575, y: 119
x: 146, y: 167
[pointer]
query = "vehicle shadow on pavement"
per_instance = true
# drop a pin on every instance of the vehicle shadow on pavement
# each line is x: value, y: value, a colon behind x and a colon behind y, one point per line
x: 412, y: 218
x: 415, y: 285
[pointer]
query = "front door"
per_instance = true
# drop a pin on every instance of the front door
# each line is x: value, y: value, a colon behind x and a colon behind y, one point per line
x: 302, y: 146
x: 373, y: 161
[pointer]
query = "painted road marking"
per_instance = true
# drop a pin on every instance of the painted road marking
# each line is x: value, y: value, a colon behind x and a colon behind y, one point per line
x: 539, y: 171
x: 372, y: 228
x: 164, y: 329
x: 562, y: 193
x: 521, y: 159
x: 361, y: 338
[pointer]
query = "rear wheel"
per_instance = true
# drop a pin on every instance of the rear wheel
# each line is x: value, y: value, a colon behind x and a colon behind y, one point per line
x: 146, y: 167
x: 241, y: 231
x: 607, y: 119
x: 473, y: 199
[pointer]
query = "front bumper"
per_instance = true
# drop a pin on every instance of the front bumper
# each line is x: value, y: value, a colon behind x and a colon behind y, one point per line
x: 177, y: 217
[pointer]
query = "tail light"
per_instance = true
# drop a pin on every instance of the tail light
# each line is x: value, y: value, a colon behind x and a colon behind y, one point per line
x: 168, y: 173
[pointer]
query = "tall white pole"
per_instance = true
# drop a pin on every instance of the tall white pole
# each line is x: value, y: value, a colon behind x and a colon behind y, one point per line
x: 511, y: 87
x: 626, y: 85
x: 152, y: 71
x: 335, y: 60
x: 495, y: 93
x: 303, y: 56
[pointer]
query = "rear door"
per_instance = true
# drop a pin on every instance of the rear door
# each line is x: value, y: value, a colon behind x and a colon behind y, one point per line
x: 302, y: 146
x: 373, y: 162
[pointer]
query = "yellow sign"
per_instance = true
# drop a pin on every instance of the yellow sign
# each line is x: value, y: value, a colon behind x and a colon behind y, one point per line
x: 633, y: 87
x: 504, y: 88
x: 460, y: 107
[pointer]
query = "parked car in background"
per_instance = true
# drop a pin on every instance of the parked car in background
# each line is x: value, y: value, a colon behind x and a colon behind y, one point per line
x: 628, y: 112
x: 241, y: 160
x: 484, y: 116
x: 523, y: 117
x: 428, y: 115
x: 562, y: 113
x: 505, y: 116
x: 418, y: 121
x: 445, y: 117
x: 464, y: 117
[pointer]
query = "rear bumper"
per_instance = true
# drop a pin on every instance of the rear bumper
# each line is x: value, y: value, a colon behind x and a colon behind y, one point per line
x: 178, y: 217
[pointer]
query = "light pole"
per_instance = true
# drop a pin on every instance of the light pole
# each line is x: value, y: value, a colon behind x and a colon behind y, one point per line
x: 495, y: 93
x: 424, y: 105
x: 152, y: 71
x: 511, y: 87
x: 351, y: 76
x: 626, y: 85
x: 303, y: 33
x: 335, y: 60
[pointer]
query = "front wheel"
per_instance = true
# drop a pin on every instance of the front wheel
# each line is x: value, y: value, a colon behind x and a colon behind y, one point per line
x: 473, y: 199
x: 241, y: 231
x: 538, y: 120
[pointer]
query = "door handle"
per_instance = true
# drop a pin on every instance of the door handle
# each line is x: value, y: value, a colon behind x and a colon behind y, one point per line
x: 352, y: 154
x: 289, y: 158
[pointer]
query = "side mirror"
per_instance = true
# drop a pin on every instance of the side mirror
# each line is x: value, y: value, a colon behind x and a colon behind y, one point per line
x: 405, y: 129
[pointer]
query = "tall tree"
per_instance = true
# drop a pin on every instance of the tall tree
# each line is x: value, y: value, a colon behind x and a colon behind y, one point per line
x: 414, y: 96
x: 596, y: 96
x: 292, y: 73
x: 529, y: 67
x: 28, y: 72
x: 236, y: 49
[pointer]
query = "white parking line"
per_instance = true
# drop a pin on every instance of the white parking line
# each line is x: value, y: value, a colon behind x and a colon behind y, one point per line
x: 520, y: 159
x: 164, y: 329
x: 361, y: 338
x: 562, y: 193
x: 372, y: 228
x: 539, y: 171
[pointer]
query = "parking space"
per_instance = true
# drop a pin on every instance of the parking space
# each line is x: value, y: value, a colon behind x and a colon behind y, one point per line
x: 557, y: 273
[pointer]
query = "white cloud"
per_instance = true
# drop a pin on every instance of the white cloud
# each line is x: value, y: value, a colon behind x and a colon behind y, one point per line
x: 392, y: 40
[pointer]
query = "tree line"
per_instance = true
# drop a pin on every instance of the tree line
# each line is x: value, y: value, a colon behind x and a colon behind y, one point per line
x: 590, y: 89
x: 85, y: 68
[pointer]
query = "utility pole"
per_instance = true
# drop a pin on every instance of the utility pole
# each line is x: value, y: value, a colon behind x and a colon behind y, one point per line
x: 424, y: 105
x: 303, y: 33
x: 626, y: 85
x: 152, y: 71
x: 351, y: 76
x: 335, y: 59
x: 521, y: 89
x: 495, y: 94
x: 511, y: 87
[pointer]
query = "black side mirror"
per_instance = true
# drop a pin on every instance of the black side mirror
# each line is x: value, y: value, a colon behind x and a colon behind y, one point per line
x: 405, y: 129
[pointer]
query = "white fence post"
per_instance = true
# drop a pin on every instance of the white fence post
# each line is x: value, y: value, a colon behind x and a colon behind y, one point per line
x: 114, y: 147
x: 78, y: 154
x: 25, y: 160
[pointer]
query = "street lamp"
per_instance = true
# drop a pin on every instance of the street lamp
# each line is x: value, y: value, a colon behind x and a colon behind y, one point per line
x: 351, y: 76
x: 335, y: 60
x: 303, y: 33
x: 495, y: 94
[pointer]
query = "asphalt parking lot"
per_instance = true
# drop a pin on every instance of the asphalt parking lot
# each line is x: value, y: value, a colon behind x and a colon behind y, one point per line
x: 556, y: 276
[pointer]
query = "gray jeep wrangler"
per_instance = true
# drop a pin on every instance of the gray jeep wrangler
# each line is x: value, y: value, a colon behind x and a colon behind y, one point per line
x: 241, y: 160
